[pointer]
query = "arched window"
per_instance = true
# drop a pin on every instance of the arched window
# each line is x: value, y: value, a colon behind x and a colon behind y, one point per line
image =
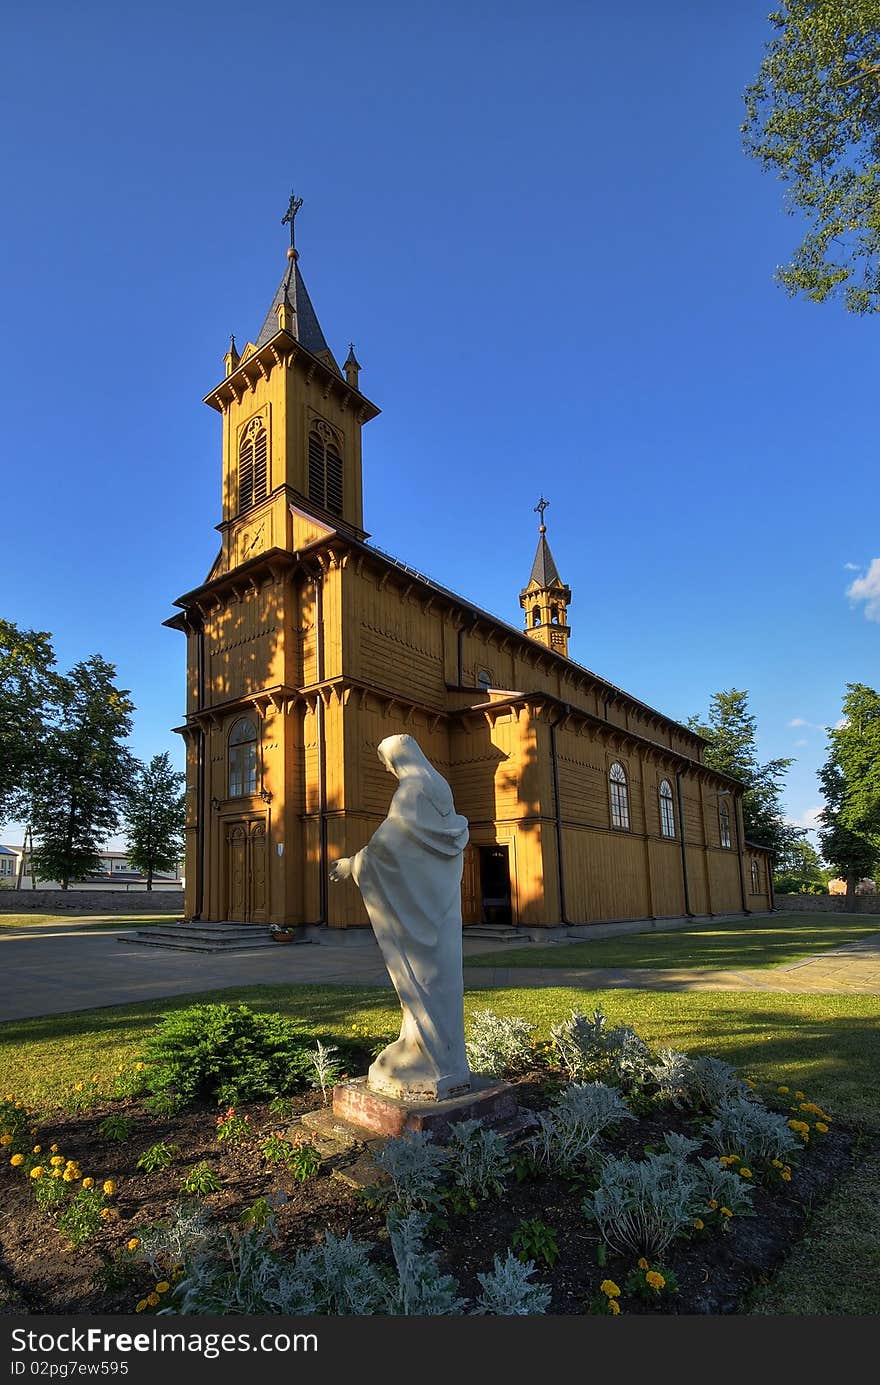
x: 325, y: 470
x: 756, y: 878
x: 252, y: 465
x: 724, y: 823
x: 554, y: 615
x: 242, y: 758
x: 536, y: 615
x: 667, y: 813
x: 619, y: 796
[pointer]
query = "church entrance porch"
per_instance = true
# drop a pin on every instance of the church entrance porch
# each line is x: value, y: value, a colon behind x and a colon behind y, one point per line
x: 485, y: 885
x: 246, y: 876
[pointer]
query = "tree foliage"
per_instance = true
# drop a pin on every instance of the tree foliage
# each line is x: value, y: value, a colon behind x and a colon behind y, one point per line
x: 154, y: 816
x: 813, y: 116
x: 731, y: 733
x: 850, y: 778
x: 27, y: 685
x: 82, y: 778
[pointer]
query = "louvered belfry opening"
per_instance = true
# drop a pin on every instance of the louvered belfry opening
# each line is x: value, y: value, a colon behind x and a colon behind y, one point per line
x: 325, y: 471
x: 253, y: 466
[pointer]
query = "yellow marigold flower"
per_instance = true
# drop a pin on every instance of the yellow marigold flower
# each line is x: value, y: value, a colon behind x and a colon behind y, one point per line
x: 106, y: 1213
x: 745, y: 1173
x: 38, y: 1149
x: 53, y: 1149
x: 783, y: 1090
x: 655, y: 1280
x: 16, y: 1160
x: 163, y: 1287
x: 725, y: 1211
x: 643, y: 1264
x: 609, y: 1288
x: 69, y: 1176
x: 777, y: 1163
x: 822, y: 1127
x: 153, y: 1300
x: 109, y: 1187
x: 699, y: 1224
x: 37, y: 1171
x: 786, y: 1175
x: 56, y: 1173
x: 713, y: 1204
x: 77, y: 1086
x: 57, y: 1161
x: 800, y: 1126
x: 96, y: 1077
x: 5, y: 1139
x: 139, y: 1307
x: 801, y: 1096
x: 139, y: 1067
x: 88, y: 1182
x: 613, y: 1306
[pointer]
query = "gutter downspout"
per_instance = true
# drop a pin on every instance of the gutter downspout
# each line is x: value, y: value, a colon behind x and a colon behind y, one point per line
x: 323, y: 883
x: 200, y: 783
x: 737, y: 807
x: 684, y: 864
x: 559, y: 853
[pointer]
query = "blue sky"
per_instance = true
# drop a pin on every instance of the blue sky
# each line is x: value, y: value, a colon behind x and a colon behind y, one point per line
x: 538, y: 227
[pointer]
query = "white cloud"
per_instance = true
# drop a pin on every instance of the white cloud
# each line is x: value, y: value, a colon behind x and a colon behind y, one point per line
x: 801, y: 742
x: 809, y: 818
x: 840, y: 725
x: 867, y: 589
x: 851, y: 567
x: 798, y: 721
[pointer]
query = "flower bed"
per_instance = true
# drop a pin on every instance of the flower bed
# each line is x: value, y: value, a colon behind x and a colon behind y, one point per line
x: 98, y: 1229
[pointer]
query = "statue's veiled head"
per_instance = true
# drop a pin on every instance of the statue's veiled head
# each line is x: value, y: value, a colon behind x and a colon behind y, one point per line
x: 403, y: 757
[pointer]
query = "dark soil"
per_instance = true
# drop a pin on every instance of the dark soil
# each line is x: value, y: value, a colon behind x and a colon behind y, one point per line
x: 40, y: 1272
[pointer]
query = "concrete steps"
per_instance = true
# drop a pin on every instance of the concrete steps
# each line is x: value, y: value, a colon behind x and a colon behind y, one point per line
x: 496, y: 933
x: 206, y: 937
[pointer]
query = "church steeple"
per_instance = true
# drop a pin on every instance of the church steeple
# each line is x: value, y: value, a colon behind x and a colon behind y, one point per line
x: 291, y: 429
x: 546, y: 598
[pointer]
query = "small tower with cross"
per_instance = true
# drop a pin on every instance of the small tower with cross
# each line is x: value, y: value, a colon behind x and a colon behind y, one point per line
x: 546, y: 598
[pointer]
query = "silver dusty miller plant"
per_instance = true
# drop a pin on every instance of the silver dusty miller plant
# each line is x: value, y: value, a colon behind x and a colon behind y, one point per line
x: 508, y: 1291
x: 327, y: 1067
x: 499, y: 1046
x: 568, y: 1135
x: 747, y: 1128
x: 588, y: 1048
x: 416, y: 1168
x: 640, y: 1206
x: 477, y: 1159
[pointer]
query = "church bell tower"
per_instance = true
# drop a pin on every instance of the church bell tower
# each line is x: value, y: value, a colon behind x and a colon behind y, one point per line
x: 546, y: 598
x: 291, y: 429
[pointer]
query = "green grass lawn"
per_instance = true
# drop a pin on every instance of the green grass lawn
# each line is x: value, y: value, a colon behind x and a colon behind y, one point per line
x: 11, y: 923
x: 827, y: 1045
x: 728, y: 945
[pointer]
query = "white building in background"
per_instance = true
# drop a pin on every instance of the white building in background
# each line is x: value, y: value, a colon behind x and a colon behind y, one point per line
x: 115, y: 873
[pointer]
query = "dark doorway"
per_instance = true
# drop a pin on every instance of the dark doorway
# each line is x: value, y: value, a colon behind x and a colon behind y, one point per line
x: 495, y: 884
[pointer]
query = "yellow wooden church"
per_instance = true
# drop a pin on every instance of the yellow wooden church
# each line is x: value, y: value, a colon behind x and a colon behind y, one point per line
x: 307, y: 645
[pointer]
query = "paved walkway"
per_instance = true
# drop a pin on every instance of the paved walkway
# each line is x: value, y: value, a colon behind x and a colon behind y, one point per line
x: 49, y: 971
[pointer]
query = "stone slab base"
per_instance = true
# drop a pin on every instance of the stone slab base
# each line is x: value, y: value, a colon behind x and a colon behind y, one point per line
x: 357, y: 1106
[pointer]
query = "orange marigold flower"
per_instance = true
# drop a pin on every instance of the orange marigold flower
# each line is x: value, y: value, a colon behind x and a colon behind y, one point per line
x: 37, y: 1171
x: 654, y: 1279
x: 133, y: 1243
x: 88, y: 1182
x: 16, y: 1160
x: 643, y: 1264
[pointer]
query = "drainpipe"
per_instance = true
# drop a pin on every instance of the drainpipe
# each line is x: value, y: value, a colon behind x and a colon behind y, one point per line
x: 684, y: 864
x: 200, y: 782
x: 739, y: 852
x: 559, y: 854
x: 322, y: 751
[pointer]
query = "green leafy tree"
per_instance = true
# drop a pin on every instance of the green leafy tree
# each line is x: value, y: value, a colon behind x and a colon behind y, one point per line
x: 813, y: 117
x: 27, y: 684
x: 84, y: 773
x: 731, y: 733
x: 800, y: 858
x: 850, y: 778
x: 154, y: 817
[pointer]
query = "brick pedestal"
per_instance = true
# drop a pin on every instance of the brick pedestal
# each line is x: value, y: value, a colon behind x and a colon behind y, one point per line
x: 492, y: 1102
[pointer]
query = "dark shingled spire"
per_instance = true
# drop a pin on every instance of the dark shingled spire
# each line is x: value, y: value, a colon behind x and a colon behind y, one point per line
x: 543, y: 568
x: 307, y: 326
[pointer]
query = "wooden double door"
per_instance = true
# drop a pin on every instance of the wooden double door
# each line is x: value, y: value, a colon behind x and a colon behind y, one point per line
x: 485, y: 885
x: 247, y: 876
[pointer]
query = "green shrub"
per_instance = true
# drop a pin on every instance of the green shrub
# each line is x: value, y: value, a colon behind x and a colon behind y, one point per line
x: 82, y: 1218
x: 158, y: 1156
x: 200, y: 1180
x: 226, y: 1054
x: 116, y: 1128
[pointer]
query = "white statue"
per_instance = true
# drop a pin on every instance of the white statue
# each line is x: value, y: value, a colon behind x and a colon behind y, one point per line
x: 409, y: 874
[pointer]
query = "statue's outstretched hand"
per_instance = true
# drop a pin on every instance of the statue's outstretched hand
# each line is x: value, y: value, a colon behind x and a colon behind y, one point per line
x: 340, y: 870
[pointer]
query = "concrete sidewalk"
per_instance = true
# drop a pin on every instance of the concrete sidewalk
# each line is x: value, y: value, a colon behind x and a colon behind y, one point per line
x: 45, y: 972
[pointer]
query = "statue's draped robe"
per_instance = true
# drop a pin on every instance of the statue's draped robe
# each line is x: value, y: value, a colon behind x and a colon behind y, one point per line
x: 409, y: 875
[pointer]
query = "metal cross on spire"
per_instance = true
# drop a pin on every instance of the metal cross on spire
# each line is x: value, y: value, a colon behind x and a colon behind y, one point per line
x: 290, y: 216
x: 541, y: 506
